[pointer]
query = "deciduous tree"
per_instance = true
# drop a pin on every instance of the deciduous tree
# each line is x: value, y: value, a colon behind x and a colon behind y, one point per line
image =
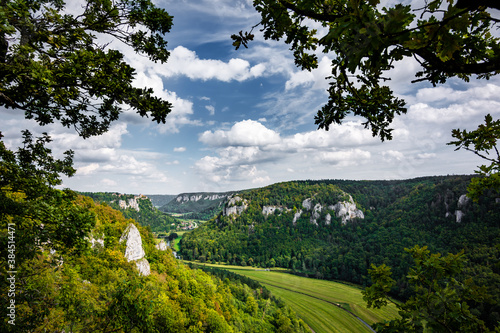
x: 441, y: 299
x: 482, y: 142
x: 58, y: 66
x: 448, y: 38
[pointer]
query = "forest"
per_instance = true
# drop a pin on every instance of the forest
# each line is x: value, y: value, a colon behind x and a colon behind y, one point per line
x: 397, y: 215
x: 71, y: 66
x: 90, y: 288
x: 147, y: 215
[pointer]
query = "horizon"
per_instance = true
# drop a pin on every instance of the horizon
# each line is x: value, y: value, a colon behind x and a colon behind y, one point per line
x: 288, y: 181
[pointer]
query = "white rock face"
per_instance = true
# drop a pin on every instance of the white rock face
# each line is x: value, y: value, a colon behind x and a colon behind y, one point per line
x: 459, y: 213
x: 463, y: 200
x: 162, y: 246
x: 232, y: 209
x: 99, y: 242
x: 307, y: 204
x: 297, y: 216
x: 195, y: 197
x: 316, y: 213
x: 134, y: 250
x: 94, y: 242
x: 347, y: 210
x: 143, y: 267
x: 215, y: 197
x: 268, y: 210
x: 328, y: 219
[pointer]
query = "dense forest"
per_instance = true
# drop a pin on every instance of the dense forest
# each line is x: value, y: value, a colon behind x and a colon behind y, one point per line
x: 199, y: 205
x: 89, y: 288
x: 145, y: 214
x: 430, y: 212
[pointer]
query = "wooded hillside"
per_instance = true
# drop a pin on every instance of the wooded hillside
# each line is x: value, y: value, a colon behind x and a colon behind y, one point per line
x: 429, y: 212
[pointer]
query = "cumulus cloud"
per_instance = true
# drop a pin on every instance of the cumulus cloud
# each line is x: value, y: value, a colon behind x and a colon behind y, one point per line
x: 87, y: 169
x: 245, y: 133
x: 179, y: 149
x: 344, y: 157
x: 315, y: 79
x: 348, y: 134
x: 454, y: 113
x: 393, y: 155
x: 248, y: 144
x: 447, y: 94
x: 185, y: 62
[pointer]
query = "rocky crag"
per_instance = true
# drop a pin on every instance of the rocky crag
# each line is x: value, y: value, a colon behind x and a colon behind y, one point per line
x: 134, y: 250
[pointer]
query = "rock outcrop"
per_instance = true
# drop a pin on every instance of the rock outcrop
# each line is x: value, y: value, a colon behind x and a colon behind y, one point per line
x: 134, y: 250
x: 316, y: 214
x: 269, y: 210
x: 463, y: 201
x: 96, y: 242
x: 132, y: 202
x: 162, y: 246
x: 296, y: 216
x: 346, y: 210
x: 183, y: 198
x: 235, y: 206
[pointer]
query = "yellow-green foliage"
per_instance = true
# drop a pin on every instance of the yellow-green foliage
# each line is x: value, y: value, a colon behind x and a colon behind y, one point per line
x: 98, y: 290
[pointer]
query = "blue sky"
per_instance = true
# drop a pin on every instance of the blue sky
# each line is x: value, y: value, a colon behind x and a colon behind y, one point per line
x: 245, y: 119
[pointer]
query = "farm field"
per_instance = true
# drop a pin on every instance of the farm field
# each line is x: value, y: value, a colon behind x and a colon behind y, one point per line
x: 321, y: 304
x: 175, y: 243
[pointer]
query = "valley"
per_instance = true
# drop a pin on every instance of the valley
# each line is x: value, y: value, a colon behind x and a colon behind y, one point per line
x: 338, y: 230
x: 325, y: 306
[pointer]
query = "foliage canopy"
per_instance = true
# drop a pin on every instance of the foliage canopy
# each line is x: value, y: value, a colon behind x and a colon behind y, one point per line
x: 440, y: 302
x: 56, y: 63
x: 448, y: 38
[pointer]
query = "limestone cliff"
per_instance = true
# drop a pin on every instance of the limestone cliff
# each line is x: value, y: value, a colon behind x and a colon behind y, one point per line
x: 134, y: 250
x: 235, y: 206
x: 463, y: 201
x: 162, y: 246
x: 346, y: 210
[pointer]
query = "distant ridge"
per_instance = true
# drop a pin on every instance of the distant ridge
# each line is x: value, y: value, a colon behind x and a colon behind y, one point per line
x: 203, y: 205
x: 159, y: 200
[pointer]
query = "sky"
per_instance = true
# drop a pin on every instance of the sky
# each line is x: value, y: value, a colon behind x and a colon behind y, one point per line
x: 245, y: 118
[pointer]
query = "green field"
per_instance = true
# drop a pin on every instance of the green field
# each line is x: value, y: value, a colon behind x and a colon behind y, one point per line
x: 175, y: 243
x: 319, y: 302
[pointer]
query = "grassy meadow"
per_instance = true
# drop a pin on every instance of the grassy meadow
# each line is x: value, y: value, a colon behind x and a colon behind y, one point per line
x: 175, y: 243
x: 318, y: 302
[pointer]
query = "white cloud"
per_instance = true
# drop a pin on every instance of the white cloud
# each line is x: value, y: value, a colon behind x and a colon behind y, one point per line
x: 88, y: 169
x: 346, y: 135
x: 315, y: 78
x: 393, y: 156
x: 447, y: 94
x: 109, y: 182
x: 454, y: 113
x: 245, y: 133
x: 185, y: 62
x: 248, y: 144
x: 179, y: 149
x: 182, y: 109
x: 211, y: 109
x: 344, y: 158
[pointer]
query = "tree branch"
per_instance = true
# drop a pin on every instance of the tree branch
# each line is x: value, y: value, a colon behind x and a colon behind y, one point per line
x: 310, y: 14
